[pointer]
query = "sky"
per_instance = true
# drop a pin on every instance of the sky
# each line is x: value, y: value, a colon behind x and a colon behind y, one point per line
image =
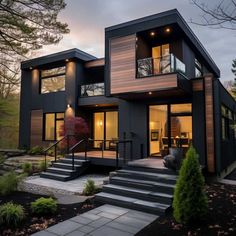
x: 87, y: 20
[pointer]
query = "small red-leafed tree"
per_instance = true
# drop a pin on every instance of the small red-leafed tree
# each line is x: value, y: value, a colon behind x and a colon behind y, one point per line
x: 75, y: 128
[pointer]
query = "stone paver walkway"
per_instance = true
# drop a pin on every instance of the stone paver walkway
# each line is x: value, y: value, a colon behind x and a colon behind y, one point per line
x: 106, y: 220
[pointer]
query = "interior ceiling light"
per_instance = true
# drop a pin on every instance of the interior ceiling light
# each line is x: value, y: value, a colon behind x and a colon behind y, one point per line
x: 67, y: 60
x: 150, y: 93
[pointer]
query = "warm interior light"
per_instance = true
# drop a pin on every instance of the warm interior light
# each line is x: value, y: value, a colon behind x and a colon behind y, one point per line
x: 96, y: 105
x: 167, y: 30
x: 68, y: 105
x: 100, y: 123
x: 150, y: 93
x: 31, y: 68
x: 67, y: 60
x: 152, y: 33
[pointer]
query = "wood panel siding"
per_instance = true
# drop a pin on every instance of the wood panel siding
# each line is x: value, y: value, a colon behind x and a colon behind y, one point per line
x: 123, y: 69
x: 209, y: 111
x: 95, y: 63
x: 36, y: 128
x: 197, y: 85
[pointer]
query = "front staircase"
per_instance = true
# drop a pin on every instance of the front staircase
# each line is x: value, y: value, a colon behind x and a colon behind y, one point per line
x: 62, y: 169
x: 140, y: 188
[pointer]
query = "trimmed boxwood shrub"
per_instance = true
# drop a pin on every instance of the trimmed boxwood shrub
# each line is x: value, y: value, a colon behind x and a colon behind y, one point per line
x: 90, y: 188
x: 44, y: 206
x: 190, y: 201
x: 11, y: 214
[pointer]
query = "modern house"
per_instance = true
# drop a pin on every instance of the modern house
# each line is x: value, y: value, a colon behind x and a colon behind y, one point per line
x: 156, y: 86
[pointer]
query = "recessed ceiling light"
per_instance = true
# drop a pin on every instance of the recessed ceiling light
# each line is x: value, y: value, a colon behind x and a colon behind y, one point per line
x: 152, y: 33
x: 167, y: 30
x: 67, y: 60
x: 96, y: 105
x: 31, y: 68
x: 150, y: 93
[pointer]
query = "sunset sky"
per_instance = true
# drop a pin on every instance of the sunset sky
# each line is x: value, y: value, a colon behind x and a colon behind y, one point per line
x: 88, y: 18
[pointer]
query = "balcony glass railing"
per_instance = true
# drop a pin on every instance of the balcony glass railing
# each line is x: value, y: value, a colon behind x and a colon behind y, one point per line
x: 89, y: 90
x: 162, y: 65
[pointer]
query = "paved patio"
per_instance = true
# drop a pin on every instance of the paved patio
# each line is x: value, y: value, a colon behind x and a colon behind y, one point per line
x: 104, y: 220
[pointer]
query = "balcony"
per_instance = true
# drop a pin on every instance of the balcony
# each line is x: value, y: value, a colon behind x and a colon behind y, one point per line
x: 155, y: 66
x: 90, y: 90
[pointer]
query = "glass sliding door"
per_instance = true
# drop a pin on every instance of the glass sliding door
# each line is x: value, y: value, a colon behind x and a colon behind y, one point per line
x: 158, y: 129
x: 105, y: 127
x: 98, y: 128
x: 169, y: 126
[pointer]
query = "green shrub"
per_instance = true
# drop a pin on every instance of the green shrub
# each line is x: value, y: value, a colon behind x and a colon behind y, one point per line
x: 8, y: 183
x: 44, y: 206
x: 11, y: 214
x: 37, y: 150
x: 2, y: 159
x: 42, y: 165
x: 90, y: 188
x: 27, y: 167
x: 190, y: 201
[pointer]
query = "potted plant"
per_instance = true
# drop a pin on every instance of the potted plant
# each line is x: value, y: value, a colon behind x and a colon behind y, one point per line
x: 177, y: 152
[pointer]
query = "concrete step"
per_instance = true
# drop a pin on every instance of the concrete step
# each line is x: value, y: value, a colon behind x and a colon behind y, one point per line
x: 60, y: 171
x: 164, y: 178
x: 143, y: 184
x: 132, y: 203
x: 138, y: 193
x: 76, y: 161
x: 62, y: 165
x: 132, y: 166
x: 55, y: 176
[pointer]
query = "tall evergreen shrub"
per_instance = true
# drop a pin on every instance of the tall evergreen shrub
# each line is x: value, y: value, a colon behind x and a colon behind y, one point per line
x: 190, y: 201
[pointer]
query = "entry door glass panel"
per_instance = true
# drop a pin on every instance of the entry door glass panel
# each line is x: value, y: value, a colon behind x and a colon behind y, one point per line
x: 158, y: 129
x: 111, y: 128
x: 98, y: 128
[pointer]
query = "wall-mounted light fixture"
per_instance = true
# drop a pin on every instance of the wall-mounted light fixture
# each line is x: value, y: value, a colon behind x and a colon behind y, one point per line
x: 68, y: 105
x: 167, y: 30
x: 152, y: 33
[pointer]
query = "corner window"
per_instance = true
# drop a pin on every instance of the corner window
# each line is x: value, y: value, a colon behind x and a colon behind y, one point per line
x: 52, y: 126
x: 198, y: 69
x: 53, y: 80
x: 226, y: 122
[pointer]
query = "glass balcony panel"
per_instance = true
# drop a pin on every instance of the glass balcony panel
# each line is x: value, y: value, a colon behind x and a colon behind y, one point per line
x: 89, y: 90
x: 162, y: 65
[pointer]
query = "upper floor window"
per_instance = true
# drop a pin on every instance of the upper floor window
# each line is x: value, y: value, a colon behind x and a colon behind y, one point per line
x: 53, y: 80
x: 198, y: 69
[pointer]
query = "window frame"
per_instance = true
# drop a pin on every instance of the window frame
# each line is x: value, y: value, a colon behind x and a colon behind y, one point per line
x: 199, y: 67
x: 41, y: 78
x: 227, y: 119
x: 55, y: 125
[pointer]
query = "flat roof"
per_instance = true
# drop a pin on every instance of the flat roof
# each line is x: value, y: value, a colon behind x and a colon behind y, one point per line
x: 73, y: 53
x: 162, y: 19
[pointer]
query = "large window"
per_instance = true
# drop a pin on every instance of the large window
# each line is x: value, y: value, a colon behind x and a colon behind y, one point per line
x: 226, y: 122
x: 52, y: 126
x: 53, y: 80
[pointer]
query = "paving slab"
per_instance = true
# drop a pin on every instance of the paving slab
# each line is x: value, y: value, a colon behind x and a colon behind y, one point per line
x: 106, y: 220
x: 69, y: 199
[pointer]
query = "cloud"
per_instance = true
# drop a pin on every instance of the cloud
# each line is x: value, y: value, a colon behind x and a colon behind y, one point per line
x: 88, y: 18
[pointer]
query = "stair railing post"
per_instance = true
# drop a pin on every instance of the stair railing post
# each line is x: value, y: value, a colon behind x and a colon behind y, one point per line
x: 85, y: 149
x: 117, y: 160
x: 45, y: 161
x: 73, y: 160
x: 55, y: 154
x: 124, y: 137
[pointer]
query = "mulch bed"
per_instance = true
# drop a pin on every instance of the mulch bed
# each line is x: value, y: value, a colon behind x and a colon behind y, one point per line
x: 220, y: 220
x: 33, y: 223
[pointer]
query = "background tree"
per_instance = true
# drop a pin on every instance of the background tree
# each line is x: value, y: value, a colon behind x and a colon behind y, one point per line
x: 220, y: 15
x: 233, y: 89
x: 25, y: 26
